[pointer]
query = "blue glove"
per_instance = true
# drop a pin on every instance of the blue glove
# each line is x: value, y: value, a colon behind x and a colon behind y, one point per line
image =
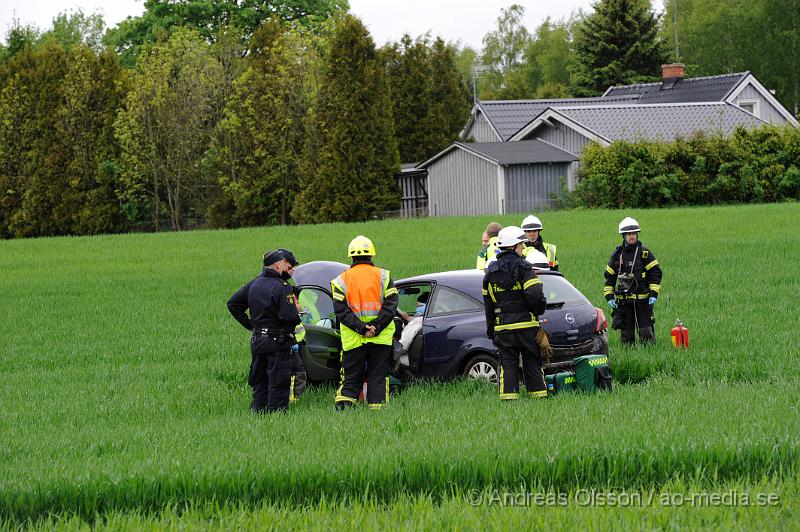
x: 612, y: 303
x: 652, y: 301
x: 296, y: 349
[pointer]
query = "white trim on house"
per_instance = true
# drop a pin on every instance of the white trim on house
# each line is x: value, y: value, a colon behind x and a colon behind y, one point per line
x: 750, y: 79
x: 469, y: 122
x: 474, y: 118
x: 549, y: 115
x: 501, y: 188
x: 453, y: 146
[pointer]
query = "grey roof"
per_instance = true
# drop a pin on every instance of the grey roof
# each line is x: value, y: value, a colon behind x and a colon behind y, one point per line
x: 704, y: 89
x: 509, y: 116
x: 507, y: 153
x: 660, y: 121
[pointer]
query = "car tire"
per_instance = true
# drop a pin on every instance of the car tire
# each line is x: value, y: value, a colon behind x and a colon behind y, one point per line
x: 482, y: 367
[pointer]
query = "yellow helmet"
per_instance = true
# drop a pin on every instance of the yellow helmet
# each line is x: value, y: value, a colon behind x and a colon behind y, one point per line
x: 361, y: 246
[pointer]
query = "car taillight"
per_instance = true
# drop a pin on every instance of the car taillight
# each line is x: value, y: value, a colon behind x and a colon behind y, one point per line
x: 600, y: 323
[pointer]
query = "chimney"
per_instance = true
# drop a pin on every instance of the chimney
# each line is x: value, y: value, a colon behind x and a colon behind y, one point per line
x: 673, y: 71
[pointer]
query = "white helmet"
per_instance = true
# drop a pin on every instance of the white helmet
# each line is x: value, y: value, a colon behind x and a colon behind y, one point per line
x: 531, y: 223
x: 510, y: 236
x: 537, y: 258
x: 629, y: 225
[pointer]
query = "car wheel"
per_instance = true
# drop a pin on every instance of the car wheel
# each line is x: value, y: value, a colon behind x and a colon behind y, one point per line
x: 482, y: 368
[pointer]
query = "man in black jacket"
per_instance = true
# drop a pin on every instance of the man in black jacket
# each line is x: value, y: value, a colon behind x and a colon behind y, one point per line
x: 633, y: 283
x: 273, y: 318
x: 513, y: 298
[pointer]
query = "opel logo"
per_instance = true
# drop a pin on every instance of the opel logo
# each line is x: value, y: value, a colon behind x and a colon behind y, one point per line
x: 570, y: 318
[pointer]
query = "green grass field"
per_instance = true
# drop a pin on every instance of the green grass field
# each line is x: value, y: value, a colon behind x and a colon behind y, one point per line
x: 124, y: 400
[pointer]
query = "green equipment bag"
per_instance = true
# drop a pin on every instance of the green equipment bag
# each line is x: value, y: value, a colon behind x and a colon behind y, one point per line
x: 560, y: 382
x: 592, y: 373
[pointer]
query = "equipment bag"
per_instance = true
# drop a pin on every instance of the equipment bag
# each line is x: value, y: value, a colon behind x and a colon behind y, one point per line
x: 560, y: 382
x: 592, y: 373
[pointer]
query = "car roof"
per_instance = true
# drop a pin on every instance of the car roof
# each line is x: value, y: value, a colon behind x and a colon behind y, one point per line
x: 469, y: 281
x: 318, y: 273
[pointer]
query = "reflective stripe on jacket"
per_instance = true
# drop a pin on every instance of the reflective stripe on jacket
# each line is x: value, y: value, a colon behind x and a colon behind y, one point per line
x: 364, y: 289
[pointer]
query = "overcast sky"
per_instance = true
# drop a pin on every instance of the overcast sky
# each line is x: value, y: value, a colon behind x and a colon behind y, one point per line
x: 455, y: 20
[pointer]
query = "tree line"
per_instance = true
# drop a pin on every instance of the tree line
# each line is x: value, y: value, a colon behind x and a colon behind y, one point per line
x: 199, y: 113
x: 238, y: 113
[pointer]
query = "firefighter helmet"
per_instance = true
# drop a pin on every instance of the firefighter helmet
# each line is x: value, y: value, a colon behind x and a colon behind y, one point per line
x: 510, y: 236
x: 361, y: 246
x: 629, y: 225
x: 531, y: 223
x: 537, y: 258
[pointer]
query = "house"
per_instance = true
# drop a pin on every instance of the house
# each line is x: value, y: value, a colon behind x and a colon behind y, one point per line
x: 514, y: 153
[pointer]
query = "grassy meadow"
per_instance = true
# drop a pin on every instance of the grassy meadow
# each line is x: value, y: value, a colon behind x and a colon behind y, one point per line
x: 124, y: 398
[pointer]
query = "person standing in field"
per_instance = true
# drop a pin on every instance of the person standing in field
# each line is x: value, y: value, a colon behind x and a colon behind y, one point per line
x: 533, y: 229
x: 272, y: 319
x: 513, y: 298
x: 489, y: 248
x: 633, y: 283
x: 365, y: 301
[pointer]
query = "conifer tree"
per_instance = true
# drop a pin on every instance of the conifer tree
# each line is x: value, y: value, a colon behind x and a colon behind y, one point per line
x: 358, y: 157
x: 617, y: 44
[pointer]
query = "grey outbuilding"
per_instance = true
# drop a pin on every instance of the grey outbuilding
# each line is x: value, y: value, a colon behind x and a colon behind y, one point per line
x: 496, y: 177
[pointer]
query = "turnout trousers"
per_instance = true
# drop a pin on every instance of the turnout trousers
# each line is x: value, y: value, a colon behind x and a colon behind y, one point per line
x: 512, y: 345
x: 377, y: 358
x: 635, y: 314
x: 298, y: 375
x: 270, y: 368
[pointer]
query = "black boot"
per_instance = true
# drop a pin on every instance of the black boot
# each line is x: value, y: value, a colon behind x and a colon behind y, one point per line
x: 627, y: 336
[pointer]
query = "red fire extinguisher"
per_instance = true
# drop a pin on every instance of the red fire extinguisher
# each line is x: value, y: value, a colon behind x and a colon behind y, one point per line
x: 680, y: 335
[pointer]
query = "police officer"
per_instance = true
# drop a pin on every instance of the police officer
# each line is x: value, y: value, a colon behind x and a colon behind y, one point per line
x: 273, y: 317
x: 533, y: 229
x: 633, y: 283
x: 513, y: 298
x: 365, y: 301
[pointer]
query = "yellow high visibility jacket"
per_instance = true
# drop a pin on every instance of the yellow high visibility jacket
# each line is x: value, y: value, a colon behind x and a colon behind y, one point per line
x: 363, y: 295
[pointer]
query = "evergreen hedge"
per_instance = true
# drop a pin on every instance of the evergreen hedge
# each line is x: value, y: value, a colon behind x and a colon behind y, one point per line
x: 749, y: 166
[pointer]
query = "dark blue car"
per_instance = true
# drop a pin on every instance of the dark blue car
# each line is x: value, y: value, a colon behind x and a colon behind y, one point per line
x: 453, y: 340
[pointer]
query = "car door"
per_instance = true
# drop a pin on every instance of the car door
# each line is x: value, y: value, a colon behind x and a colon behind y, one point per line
x: 451, y: 317
x: 323, y: 343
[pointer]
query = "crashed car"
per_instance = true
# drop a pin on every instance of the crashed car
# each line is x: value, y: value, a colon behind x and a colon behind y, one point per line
x: 452, y: 341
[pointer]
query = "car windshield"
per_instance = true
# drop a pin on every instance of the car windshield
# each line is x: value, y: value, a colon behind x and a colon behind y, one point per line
x: 317, y: 307
x: 558, y: 290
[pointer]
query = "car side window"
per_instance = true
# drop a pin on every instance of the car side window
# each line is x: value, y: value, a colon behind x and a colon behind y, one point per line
x: 449, y: 301
x: 317, y: 307
x: 412, y: 297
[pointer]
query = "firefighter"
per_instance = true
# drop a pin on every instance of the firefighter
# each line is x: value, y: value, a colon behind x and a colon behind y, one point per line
x: 489, y: 240
x: 533, y: 229
x: 272, y: 318
x: 633, y: 283
x: 513, y: 298
x: 365, y: 302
